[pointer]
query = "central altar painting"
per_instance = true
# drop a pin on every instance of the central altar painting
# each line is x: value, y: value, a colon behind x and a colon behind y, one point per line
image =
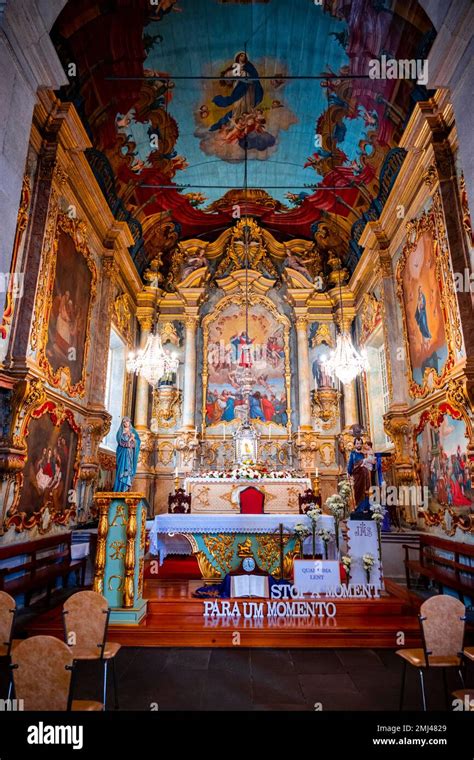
x: 231, y: 345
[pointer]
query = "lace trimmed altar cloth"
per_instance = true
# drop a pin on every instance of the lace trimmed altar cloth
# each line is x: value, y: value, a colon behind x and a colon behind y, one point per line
x: 168, y: 532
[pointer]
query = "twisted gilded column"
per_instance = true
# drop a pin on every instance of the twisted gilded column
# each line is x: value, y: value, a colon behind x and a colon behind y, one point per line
x: 304, y: 395
x: 189, y: 392
x: 102, y: 530
x: 128, y: 584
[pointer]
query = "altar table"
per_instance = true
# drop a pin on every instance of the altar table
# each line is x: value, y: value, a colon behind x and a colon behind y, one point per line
x: 220, y: 541
x: 211, y: 495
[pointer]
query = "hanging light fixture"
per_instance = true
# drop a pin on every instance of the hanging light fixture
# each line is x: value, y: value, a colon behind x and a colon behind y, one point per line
x: 152, y: 362
x: 344, y: 361
x: 245, y: 373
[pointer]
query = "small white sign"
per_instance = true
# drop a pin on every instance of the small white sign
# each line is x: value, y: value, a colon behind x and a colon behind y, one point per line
x: 316, y: 575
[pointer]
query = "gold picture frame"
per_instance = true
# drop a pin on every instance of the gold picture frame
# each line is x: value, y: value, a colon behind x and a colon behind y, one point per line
x: 432, y: 223
x: 61, y: 376
x: 253, y: 299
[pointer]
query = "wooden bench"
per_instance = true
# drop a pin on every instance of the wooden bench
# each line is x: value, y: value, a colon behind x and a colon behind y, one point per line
x: 452, y: 571
x: 43, y: 562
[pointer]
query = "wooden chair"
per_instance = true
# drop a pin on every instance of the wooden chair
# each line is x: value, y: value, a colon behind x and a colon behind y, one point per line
x: 251, y: 501
x: 442, y: 620
x: 7, y: 619
x: 307, y: 499
x: 86, y: 621
x: 42, y: 672
x: 179, y: 502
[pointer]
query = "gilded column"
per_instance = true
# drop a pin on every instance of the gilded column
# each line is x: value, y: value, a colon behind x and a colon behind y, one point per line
x: 304, y: 395
x: 128, y: 585
x: 189, y: 393
x: 142, y: 392
x: 102, y: 530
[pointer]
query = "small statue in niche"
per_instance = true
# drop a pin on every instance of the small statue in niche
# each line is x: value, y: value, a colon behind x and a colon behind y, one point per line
x: 128, y: 448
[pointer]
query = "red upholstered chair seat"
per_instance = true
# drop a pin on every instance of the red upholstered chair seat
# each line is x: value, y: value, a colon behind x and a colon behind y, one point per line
x: 251, y: 501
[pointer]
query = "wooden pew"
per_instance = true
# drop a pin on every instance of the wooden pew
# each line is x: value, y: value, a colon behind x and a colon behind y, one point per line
x: 44, y: 560
x: 432, y: 564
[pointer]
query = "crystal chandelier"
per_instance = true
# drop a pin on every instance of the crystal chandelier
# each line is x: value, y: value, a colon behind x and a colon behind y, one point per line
x: 152, y: 362
x: 345, y: 361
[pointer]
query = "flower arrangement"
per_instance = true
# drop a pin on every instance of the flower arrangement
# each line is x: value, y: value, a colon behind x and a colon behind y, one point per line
x: 337, y: 507
x: 345, y: 492
x: 346, y: 561
x: 301, y: 532
x: 314, y: 513
x: 378, y: 512
x: 368, y: 561
x: 247, y: 471
x: 326, y: 536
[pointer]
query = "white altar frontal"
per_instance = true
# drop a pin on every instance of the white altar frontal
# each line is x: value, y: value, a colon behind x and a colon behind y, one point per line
x: 215, y: 494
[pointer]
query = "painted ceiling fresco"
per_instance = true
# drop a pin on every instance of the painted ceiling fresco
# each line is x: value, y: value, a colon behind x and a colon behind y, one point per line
x: 175, y: 96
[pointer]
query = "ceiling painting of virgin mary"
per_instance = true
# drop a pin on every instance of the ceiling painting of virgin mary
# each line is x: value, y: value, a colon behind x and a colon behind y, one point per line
x: 176, y: 96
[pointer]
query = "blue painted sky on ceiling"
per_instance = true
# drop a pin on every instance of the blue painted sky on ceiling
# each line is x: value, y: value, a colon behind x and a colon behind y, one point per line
x: 293, y: 38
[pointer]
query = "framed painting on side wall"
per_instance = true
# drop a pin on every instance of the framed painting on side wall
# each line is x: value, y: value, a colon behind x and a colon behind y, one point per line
x: 426, y: 293
x: 71, y: 285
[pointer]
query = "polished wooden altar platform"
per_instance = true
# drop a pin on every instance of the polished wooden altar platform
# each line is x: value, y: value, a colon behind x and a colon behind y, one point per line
x: 175, y: 619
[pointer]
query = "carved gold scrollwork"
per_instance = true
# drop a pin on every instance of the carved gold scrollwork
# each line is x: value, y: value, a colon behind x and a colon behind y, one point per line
x: 166, y: 409
x: 325, y: 406
x: 246, y: 241
x: 221, y: 549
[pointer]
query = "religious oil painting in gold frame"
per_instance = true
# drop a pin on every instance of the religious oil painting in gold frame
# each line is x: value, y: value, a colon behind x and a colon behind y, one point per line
x: 71, y: 290
x: 45, y: 488
x: 441, y: 442
x: 426, y: 294
x: 228, y: 346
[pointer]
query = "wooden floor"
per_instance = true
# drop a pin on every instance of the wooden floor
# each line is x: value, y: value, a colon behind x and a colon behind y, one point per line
x: 175, y: 619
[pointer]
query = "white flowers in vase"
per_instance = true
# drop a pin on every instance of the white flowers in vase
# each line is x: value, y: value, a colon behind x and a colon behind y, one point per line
x: 378, y: 512
x: 301, y: 532
x: 368, y: 561
x: 326, y: 536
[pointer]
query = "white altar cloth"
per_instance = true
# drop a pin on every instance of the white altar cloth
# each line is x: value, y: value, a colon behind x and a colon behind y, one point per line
x: 168, y: 533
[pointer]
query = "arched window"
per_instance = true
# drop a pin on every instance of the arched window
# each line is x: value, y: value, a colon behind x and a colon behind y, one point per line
x: 115, y: 387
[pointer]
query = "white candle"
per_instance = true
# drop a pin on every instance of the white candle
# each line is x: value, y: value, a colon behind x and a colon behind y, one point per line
x: 317, y: 472
x: 224, y: 433
x: 299, y: 435
x: 269, y: 432
x: 176, y: 471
